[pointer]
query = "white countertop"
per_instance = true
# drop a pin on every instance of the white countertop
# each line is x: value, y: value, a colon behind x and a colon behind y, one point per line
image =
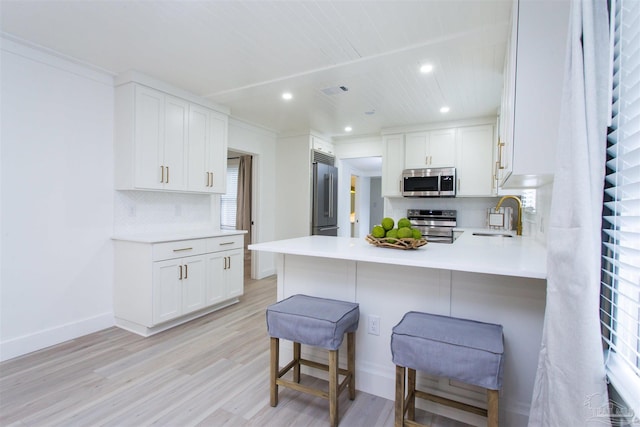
x: 509, y: 256
x: 172, y: 236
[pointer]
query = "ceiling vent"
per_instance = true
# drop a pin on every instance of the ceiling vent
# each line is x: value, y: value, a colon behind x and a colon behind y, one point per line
x: 334, y: 90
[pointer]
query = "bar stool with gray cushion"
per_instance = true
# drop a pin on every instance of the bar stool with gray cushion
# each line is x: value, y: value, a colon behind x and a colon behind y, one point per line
x: 317, y: 322
x: 464, y: 350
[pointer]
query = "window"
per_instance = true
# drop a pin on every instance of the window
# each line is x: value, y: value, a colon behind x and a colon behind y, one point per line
x: 228, y: 201
x: 528, y: 198
x: 620, y: 285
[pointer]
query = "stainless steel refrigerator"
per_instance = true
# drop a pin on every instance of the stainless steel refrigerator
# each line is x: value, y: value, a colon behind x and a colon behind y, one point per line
x: 325, y: 200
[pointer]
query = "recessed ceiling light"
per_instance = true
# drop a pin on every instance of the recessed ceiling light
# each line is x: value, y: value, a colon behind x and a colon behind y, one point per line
x: 348, y: 129
x: 444, y: 109
x: 426, y: 68
x: 287, y: 96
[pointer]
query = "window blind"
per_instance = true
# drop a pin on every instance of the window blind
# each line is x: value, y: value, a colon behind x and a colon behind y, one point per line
x: 620, y: 285
x: 228, y: 201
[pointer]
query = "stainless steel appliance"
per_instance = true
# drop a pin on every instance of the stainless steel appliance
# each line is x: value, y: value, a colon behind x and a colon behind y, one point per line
x: 325, y: 200
x: 432, y: 182
x: 435, y: 225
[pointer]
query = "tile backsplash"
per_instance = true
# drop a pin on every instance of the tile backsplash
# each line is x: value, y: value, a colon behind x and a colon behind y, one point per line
x: 151, y: 211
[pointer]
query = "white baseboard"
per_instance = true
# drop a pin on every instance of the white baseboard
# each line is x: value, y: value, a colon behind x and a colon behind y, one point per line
x: 37, y: 341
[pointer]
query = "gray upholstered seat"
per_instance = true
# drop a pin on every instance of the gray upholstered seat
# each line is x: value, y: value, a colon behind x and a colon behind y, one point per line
x: 314, y: 321
x: 460, y: 349
x: 464, y: 350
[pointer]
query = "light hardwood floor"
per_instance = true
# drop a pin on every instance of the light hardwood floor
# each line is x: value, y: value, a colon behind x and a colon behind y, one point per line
x: 212, y: 371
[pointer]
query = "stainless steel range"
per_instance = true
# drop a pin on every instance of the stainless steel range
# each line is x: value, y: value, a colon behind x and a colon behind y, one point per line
x: 436, y: 225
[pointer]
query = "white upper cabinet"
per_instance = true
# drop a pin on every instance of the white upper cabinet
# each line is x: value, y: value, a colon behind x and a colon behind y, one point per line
x: 322, y: 145
x: 175, y: 142
x: 474, y: 161
x: 430, y: 149
x: 165, y: 142
x: 392, y: 165
x: 530, y: 112
x: 207, y: 143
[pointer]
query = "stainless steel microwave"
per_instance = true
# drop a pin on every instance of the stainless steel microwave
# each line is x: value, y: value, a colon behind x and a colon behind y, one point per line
x: 432, y: 182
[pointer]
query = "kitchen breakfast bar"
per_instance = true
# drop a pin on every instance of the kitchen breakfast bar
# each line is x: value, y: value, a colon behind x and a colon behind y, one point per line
x: 487, y: 278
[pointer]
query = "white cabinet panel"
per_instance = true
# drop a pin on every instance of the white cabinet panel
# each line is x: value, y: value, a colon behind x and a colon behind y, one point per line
x: 392, y: 165
x: 199, y: 138
x: 234, y: 273
x: 149, y: 137
x: 430, y: 149
x: 175, y: 140
x: 193, y: 284
x: 474, y: 161
x: 216, y: 153
x: 215, y: 288
x: 167, y: 298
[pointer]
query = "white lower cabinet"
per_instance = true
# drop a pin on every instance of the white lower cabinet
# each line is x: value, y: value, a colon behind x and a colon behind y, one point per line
x: 160, y: 285
x: 179, y: 287
x: 225, y: 272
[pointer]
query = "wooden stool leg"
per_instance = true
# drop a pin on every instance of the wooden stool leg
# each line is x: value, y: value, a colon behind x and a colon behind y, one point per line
x: 411, y: 394
x: 351, y: 363
x: 274, y: 368
x: 399, y: 403
x: 296, y: 357
x: 492, y: 408
x: 333, y: 388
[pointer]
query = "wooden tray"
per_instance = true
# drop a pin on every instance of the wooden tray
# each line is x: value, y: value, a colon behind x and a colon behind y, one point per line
x: 407, y: 243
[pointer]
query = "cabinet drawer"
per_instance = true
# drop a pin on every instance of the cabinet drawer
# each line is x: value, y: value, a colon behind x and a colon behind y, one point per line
x: 225, y: 243
x: 179, y: 249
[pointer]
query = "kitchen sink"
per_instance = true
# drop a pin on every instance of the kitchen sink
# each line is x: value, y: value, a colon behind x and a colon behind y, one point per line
x: 493, y: 234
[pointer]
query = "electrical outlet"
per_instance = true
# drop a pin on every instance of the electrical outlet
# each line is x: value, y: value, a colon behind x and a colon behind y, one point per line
x: 373, y: 325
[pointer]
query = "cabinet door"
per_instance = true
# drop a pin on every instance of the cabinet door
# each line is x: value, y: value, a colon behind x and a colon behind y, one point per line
x: 475, y: 161
x: 392, y: 165
x: 149, y: 138
x: 198, y: 173
x: 217, y: 153
x: 167, y: 290
x: 215, y: 277
x: 175, y: 142
x: 416, y: 150
x: 234, y: 273
x: 193, y: 284
x: 442, y: 148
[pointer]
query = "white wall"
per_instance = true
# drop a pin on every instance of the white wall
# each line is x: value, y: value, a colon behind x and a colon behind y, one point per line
x: 57, y: 200
x: 261, y: 144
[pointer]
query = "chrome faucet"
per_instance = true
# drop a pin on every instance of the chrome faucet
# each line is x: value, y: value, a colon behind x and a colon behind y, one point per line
x: 517, y: 199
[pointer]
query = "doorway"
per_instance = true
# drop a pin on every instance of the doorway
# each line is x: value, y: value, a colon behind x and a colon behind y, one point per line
x: 236, y: 205
x: 353, y: 215
x: 364, y: 203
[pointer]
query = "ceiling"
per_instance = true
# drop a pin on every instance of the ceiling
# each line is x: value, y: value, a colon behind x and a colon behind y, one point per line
x: 245, y: 54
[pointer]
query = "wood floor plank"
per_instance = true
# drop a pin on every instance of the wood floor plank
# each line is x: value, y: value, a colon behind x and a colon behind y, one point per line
x: 210, y: 372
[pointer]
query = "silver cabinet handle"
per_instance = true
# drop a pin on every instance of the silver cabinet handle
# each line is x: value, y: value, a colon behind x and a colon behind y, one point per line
x: 161, y: 174
x: 182, y: 249
x: 186, y: 271
x: 180, y: 267
x: 226, y: 243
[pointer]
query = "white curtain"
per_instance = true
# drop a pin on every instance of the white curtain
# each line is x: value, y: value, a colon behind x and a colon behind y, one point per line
x: 570, y: 387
